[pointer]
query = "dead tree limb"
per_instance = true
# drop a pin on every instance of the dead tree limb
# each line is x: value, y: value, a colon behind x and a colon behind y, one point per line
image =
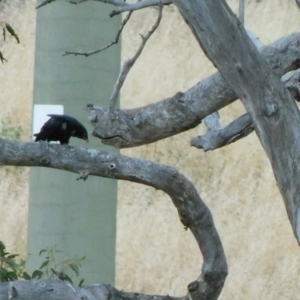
x: 274, y: 113
x: 128, y: 64
x: 184, y: 111
x: 193, y: 212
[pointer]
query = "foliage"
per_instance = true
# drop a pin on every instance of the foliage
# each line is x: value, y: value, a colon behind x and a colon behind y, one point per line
x: 11, y: 269
x: 7, y: 28
x: 10, y: 132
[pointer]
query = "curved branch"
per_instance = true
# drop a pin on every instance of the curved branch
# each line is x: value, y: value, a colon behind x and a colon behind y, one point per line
x: 184, y: 111
x: 193, y: 212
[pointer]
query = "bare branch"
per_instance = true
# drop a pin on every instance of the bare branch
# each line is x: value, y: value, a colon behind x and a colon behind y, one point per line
x: 123, y: 6
x: 51, y: 289
x: 128, y: 65
x: 292, y: 82
x: 45, y: 2
x: 274, y: 112
x: 242, y: 126
x: 236, y: 130
x: 242, y: 11
x: 86, y: 54
x: 184, y: 111
x: 193, y: 212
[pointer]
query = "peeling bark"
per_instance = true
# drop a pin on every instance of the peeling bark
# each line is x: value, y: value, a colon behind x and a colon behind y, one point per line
x: 274, y: 113
x: 184, y: 111
x: 193, y: 212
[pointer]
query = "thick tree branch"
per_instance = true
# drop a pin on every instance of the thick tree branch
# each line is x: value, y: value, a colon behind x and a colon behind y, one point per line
x: 128, y: 65
x: 192, y: 211
x: 184, y: 111
x: 274, y: 113
x: 51, y: 289
x: 241, y: 127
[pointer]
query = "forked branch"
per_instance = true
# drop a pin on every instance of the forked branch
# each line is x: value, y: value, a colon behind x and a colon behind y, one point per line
x: 128, y: 65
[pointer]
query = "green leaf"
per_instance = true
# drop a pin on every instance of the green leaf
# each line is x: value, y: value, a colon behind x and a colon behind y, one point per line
x: 2, y: 60
x: 12, y: 255
x: 2, y: 247
x: 11, y: 263
x: 68, y: 279
x: 54, y: 272
x: 74, y: 267
x: 12, y: 32
x: 26, y: 276
x: 3, y: 275
x: 42, y: 251
x: 44, y: 264
x: 12, y: 275
x: 81, y: 283
x: 37, y: 274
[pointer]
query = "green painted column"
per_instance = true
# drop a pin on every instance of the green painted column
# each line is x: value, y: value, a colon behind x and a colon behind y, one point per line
x: 78, y: 217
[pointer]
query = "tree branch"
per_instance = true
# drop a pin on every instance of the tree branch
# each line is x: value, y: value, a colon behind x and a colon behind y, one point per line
x: 241, y: 127
x: 86, y: 54
x: 184, y: 111
x: 44, y: 3
x: 236, y: 130
x: 274, y: 113
x: 128, y: 65
x: 51, y: 289
x: 193, y: 212
x: 123, y: 6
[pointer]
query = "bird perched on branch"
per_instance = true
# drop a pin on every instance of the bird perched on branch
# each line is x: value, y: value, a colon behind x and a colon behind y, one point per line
x: 61, y: 128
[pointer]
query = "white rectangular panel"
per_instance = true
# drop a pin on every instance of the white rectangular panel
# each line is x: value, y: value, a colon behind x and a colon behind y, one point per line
x: 40, y: 112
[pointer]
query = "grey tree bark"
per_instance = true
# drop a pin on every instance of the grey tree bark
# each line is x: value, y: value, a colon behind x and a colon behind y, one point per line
x: 252, y: 76
x: 266, y: 99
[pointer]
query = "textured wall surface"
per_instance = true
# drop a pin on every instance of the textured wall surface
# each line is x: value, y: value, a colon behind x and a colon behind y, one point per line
x: 15, y: 117
x: 154, y: 253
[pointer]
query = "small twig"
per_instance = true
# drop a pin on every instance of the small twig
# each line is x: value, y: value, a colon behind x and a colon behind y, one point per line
x: 128, y: 65
x: 242, y: 11
x: 86, y: 54
x: 123, y: 6
x: 83, y: 175
x: 77, y: 1
x: 44, y: 3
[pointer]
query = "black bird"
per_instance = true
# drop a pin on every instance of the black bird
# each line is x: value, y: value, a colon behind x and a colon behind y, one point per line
x: 61, y: 128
